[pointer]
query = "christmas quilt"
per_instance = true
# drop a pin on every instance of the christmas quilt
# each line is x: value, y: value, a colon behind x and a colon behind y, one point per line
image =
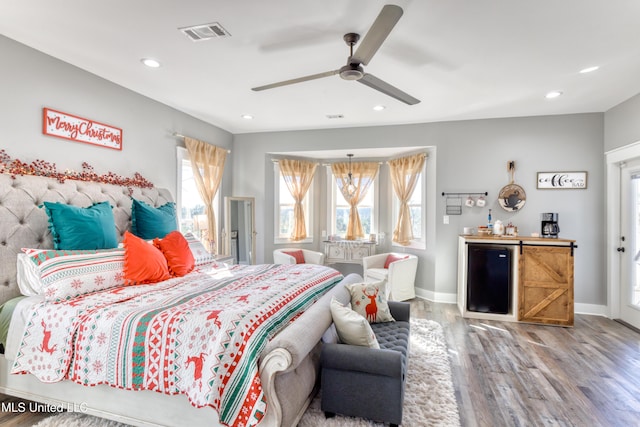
x: 200, y: 335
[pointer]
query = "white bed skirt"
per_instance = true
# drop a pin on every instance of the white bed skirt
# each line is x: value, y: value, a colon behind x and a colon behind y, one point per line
x: 138, y: 408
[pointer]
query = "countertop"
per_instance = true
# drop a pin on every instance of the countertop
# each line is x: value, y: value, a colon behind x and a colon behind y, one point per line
x: 511, y: 239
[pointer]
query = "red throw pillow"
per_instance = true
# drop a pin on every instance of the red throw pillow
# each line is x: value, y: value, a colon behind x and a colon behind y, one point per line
x: 175, y: 249
x: 298, y: 255
x: 392, y: 258
x: 143, y: 262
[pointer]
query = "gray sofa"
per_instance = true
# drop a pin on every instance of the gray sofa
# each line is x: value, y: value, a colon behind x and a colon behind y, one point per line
x: 365, y: 382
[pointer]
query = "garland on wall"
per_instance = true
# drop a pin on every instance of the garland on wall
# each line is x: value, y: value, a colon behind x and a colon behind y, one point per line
x: 15, y: 167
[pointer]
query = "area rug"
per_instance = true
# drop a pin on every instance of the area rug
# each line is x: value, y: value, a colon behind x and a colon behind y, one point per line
x: 429, y: 394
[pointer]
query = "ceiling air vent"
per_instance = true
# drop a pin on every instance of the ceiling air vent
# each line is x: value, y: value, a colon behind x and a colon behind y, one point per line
x: 204, y: 32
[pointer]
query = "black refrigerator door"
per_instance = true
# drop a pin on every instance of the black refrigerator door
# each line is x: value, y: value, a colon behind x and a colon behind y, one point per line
x: 488, y: 279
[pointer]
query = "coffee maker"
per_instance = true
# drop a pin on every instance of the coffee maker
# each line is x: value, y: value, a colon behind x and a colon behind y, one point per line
x: 549, y: 225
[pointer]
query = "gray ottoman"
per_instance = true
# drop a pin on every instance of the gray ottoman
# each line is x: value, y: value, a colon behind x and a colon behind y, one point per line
x: 365, y: 382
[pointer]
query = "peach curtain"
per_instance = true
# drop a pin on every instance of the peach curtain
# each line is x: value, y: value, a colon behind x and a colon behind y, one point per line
x: 404, y: 176
x: 363, y: 175
x: 207, y: 163
x: 298, y: 176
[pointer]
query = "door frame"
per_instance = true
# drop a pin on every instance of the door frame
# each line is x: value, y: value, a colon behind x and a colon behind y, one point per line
x: 613, y: 160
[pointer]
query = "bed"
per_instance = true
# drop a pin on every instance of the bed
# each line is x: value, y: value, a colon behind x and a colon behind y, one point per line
x: 278, y: 380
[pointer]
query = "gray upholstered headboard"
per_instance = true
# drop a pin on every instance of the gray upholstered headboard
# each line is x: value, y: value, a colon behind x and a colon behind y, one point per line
x: 24, y: 225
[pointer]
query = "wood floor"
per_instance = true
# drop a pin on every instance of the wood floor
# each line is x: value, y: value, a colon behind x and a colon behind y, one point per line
x: 514, y: 374
x: 20, y: 413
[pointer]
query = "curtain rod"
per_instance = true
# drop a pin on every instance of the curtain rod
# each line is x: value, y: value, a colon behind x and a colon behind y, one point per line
x: 340, y: 161
x: 178, y: 135
x: 322, y: 164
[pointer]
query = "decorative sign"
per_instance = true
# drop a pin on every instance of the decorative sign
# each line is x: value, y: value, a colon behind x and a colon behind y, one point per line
x: 562, y: 180
x: 74, y: 128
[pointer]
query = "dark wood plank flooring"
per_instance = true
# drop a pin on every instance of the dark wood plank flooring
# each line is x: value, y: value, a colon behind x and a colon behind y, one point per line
x: 516, y: 374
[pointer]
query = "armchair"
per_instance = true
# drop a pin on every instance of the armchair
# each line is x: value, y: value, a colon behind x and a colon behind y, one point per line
x: 398, y: 270
x: 280, y: 256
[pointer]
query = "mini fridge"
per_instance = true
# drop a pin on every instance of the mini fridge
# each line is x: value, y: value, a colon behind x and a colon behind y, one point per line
x: 488, y: 278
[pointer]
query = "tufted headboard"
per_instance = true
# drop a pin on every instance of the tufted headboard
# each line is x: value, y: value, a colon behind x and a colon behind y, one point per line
x: 23, y: 224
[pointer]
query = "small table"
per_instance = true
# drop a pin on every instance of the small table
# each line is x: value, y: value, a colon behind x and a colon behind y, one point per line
x: 225, y: 259
x: 348, y: 251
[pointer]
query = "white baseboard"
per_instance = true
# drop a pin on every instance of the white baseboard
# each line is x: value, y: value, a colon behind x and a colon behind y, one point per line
x: 436, y: 296
x: 592, y: 309
x: 579, y: 308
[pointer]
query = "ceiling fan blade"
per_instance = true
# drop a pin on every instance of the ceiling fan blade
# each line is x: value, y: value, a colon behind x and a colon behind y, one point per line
x: 384, y: 87
x: 382, y: 26
x: 298, y: 80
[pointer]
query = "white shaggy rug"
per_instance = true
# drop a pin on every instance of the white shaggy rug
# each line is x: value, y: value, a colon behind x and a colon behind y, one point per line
x: 429, y: 395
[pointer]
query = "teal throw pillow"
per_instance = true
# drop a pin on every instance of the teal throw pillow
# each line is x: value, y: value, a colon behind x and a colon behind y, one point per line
x: 74, y: 227
x: 150, y: 223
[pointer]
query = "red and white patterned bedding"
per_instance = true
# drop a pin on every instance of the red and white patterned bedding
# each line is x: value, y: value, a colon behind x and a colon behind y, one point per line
x: 200, y: 335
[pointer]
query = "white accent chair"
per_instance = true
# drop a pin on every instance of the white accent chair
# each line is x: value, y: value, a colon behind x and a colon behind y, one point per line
x: 310, y: 257
x: 399, y: 277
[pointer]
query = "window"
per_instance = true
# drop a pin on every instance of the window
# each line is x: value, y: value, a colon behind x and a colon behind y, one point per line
x: 417, y: 207
x: 339, y: 215
x: 191, y: 209
x: 284, y: 204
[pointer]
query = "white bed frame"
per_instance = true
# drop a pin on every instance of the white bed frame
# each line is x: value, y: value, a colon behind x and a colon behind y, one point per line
x: 288, y: 365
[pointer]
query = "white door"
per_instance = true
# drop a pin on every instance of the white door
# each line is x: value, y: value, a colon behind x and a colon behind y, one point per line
x: 629, y: 246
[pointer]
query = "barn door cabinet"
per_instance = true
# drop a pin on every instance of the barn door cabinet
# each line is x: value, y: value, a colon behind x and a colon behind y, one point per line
x: 539, y: 279
x: 545, y: 289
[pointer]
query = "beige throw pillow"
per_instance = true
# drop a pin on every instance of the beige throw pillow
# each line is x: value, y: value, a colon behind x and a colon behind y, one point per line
x: 369, y: 300
x: 352, y: 328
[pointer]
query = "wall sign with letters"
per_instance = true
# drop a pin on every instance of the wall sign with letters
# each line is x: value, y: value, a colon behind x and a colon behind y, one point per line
x: 562, y: 180
x: 74, y: 128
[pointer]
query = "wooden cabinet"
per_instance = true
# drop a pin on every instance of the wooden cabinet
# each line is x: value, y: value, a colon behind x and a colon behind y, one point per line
x: 542, y: 279
x: 545, y: 291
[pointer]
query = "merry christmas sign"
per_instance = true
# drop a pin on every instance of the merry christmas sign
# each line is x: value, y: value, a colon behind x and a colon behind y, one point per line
x: 74, y: 128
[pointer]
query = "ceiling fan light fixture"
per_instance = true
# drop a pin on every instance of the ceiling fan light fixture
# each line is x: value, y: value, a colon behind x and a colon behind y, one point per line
x: 351, y: 72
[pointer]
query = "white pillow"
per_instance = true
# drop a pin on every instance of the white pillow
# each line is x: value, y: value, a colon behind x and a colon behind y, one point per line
x: 28, y: 276
x: 60, y: 275
x: 200, y: 254
x: 352, y: 328
x: 369, y: 300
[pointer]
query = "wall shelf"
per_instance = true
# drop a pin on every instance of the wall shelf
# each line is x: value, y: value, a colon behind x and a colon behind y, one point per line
x: 454, y: 201
x: 445, y: 194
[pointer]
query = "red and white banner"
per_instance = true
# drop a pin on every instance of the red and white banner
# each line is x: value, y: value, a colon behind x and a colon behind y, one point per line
x: 74, y: 128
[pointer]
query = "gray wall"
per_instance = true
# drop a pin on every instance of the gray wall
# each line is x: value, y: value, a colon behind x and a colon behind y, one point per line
x: 621, y: 124
x: 471, y: 156
x: 30, y: 80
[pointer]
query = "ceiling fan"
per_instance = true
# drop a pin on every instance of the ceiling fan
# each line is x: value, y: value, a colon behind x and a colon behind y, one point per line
x: 382, y: 26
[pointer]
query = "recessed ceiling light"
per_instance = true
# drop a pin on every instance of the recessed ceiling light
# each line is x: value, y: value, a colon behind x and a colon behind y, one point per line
x: 149, y: 62
x: 553, y: 94
x: 247, y: 116
x: 379, y: 107
x: 589, y: 69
